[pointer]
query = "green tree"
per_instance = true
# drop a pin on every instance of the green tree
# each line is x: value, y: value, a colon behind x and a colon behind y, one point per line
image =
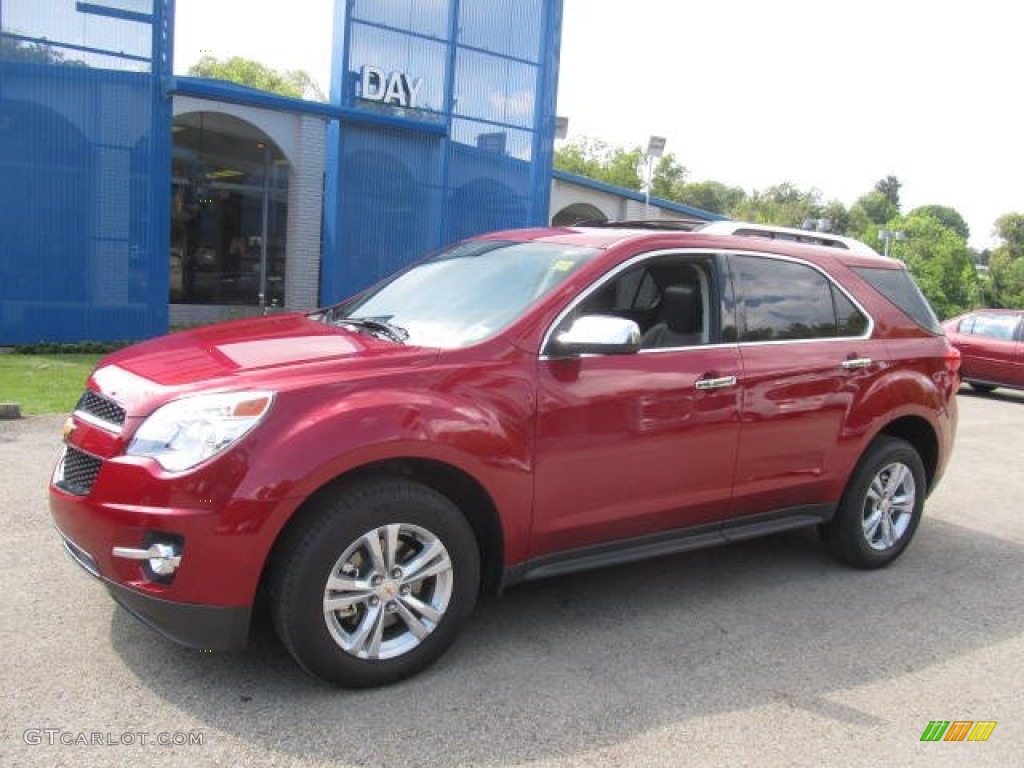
x: 940, y: 261
x: 295, y: 83
x: 1006, y: 263
x: 890, y: 189
x: 600, y: 161
x: 712, y: 196
x: 1010, y: 229
x: 784, y: 204
x: 948, y: 217
x: 669, y: 178
x: 869, y: 213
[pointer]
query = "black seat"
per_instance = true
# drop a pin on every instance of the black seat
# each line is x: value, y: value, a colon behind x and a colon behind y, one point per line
x: 679, y: 318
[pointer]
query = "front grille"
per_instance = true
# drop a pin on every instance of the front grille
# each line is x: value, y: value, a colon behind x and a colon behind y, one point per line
x: 100, y: 408
x: 78, y: 472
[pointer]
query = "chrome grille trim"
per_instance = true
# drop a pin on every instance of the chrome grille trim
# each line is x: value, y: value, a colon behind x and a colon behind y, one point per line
x: 100, y: 411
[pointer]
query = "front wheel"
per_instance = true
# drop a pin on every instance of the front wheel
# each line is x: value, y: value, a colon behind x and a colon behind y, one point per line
x: 373, y: 582
x: 881, y: 507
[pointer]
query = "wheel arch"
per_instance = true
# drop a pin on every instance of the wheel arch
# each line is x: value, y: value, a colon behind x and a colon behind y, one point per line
x: 471, y: 498
x: 922, y: 436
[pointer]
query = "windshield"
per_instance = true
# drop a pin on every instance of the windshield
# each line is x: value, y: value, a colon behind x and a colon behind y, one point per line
x: 465, y: 294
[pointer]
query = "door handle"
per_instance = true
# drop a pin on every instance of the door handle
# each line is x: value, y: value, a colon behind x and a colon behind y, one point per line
x: 716, y: 383
x: 856, y: 363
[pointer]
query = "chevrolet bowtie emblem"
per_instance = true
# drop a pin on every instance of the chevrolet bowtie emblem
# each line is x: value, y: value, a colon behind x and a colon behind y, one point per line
x: 67, y: 429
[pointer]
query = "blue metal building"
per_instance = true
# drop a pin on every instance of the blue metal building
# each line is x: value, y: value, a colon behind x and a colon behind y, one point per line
x: 440, y: 125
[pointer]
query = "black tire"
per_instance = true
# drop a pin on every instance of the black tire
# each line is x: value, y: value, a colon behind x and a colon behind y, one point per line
x: 850, y: 535
x: 981, y: 388
x: 340, y: 525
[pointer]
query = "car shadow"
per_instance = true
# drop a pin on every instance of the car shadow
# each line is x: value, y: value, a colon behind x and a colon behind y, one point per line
x: 591, y: 660
x: 1002, y: 395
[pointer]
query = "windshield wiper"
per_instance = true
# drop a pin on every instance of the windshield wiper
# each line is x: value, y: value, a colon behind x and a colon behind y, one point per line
x: 374, y: 325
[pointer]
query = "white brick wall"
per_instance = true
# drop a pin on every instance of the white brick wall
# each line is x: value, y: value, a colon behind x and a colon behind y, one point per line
x: 305, y: 208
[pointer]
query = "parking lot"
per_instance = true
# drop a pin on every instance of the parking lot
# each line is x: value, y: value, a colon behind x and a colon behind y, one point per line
x: 764, y: 653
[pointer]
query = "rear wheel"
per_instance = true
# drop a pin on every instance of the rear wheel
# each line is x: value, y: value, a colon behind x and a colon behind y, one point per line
x: 373, y: 583
x: 881, y: 507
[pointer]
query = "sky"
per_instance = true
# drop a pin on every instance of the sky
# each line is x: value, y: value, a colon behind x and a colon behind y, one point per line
x: 826, y: 95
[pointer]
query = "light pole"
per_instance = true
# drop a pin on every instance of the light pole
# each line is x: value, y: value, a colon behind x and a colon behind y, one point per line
x: 655, y: 149
x: 887, y: 236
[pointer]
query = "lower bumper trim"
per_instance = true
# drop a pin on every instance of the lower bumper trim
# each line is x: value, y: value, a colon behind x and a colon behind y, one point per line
x: 206, y: 627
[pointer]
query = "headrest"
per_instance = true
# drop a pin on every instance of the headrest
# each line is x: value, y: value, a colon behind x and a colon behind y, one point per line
x: 681, y: 309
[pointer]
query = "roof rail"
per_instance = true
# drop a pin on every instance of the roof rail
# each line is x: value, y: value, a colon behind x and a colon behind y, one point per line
x: 677, y: 225
x: 747, y: 229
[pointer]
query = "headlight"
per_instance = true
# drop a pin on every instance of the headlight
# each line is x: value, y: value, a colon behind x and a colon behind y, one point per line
x: 184, y: 432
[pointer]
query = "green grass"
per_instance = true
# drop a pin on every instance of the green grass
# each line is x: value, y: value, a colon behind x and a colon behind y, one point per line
x: 44, y: 383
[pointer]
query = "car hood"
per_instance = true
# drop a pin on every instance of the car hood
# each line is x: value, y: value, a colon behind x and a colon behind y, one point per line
x: 264, y: 352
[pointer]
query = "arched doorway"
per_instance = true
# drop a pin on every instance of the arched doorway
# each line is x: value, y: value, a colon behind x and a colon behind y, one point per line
x: 229, y: 213
x: 576, y: 213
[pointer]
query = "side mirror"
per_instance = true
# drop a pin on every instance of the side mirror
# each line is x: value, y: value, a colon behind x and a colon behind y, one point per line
x: 598, y: 335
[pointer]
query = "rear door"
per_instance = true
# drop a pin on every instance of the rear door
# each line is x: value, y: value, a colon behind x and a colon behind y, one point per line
x: 808, y: 359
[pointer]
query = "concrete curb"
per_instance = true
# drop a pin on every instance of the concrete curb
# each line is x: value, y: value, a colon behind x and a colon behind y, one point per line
x: 10, y: 411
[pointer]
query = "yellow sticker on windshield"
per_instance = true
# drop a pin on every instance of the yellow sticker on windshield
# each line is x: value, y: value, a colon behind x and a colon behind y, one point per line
x: 564, y: 265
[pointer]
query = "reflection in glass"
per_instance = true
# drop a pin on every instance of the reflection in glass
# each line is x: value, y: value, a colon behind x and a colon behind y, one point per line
x: 228, y: 214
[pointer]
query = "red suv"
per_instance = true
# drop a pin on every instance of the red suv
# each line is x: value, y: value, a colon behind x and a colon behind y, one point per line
x: 521, y: 405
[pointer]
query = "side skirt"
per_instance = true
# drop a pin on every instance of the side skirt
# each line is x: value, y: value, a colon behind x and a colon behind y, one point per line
x: 668, y: 543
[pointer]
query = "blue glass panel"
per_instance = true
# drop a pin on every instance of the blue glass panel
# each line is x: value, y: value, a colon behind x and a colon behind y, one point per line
x: 85, y: 195
x: 388, y: 206
x: 512, y: 27
x: 495, y: 88
x: 494, y: 139
x: 425, y: 18
x: 488, y: 179
x: 76, y: 36
x: 393, y: 52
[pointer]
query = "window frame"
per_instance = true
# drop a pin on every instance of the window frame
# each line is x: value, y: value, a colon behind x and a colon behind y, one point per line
x: 718, y: 291
x: 741, y: 309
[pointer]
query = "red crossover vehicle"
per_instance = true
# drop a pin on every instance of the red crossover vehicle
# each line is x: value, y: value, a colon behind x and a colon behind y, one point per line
x: 522, y: 405
x: 991, y: 343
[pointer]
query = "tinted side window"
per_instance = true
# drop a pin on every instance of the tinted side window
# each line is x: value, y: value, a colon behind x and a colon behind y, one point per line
x: 783, y: 300
x: 899, y: 288
x: 1001, y: 327
x: 851, y: 321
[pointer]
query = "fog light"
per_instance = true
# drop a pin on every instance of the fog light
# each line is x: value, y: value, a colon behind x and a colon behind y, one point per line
x: 163, y: 559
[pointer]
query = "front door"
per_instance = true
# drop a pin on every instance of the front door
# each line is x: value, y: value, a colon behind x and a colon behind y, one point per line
x: 629, y: 445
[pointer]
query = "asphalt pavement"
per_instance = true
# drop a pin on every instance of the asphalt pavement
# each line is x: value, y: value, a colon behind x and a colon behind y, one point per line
x: 764, y: 653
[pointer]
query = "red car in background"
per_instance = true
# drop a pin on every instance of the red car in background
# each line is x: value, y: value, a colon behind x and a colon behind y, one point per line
x: 991, y: 344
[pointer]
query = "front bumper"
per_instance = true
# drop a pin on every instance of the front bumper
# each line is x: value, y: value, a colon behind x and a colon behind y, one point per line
x: 207, y: 627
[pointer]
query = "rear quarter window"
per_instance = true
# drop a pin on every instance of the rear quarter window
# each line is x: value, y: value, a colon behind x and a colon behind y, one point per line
x: 900, y: 289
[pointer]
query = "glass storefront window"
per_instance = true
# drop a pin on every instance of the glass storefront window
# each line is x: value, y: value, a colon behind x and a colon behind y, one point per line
x: 229, y: 213
x: 431, y: 18
x: 508, y: 27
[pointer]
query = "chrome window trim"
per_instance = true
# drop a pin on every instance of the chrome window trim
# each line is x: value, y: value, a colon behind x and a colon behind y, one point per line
x: 629, y: 263
x: 604, y: 280
x: 869, y: 332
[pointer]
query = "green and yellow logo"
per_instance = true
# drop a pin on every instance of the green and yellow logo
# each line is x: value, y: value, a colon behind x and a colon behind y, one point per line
x: 958, y: 730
